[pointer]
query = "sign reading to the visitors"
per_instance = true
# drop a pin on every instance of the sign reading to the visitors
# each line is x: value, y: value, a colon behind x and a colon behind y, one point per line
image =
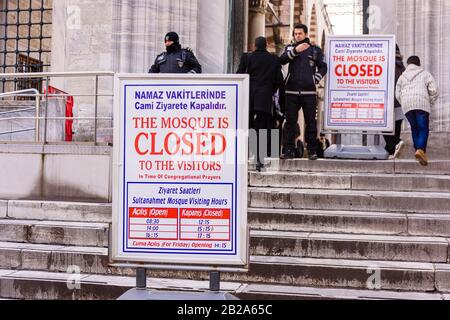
x: 360, y: 87
x: 180, y: 184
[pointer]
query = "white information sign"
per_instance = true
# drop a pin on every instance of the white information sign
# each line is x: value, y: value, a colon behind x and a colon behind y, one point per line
x: 180, y: 178
x: 360, y: 85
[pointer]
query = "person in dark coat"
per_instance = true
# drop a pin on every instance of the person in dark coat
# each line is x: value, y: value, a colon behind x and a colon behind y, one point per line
x: 394, y: 144
x: 307, y: 67
x: 265, y: 79
x: 175, y: 59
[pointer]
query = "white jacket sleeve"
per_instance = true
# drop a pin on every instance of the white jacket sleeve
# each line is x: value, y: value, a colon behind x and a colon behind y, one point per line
x: 399, y: 88
x: 432, y: 89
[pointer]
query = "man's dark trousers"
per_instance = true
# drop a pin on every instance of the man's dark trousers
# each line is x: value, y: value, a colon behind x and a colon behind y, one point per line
x: 263, y: 124
x: 308, y: 103
x: 392, y: 141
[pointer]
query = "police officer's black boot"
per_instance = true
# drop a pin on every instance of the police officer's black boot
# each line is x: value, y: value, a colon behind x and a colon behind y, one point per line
x: 259, y: 166
x: 288, y: 154
x: 313, y: 156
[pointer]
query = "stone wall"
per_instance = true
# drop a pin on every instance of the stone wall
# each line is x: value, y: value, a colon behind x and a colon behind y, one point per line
x: 83, y: 41
x: 126, y: 36
x: 139, y: 27
x: 23, y: 31
x: 63, y: 172
x: 422, y: 29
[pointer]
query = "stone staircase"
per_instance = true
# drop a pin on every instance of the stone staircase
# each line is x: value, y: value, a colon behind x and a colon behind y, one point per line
x: 341, y: 221
x: 327, y: 229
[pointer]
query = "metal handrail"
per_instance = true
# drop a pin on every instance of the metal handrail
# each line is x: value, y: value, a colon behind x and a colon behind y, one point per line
x: 32, y: 75
x: 58, y: 118
x: 16, y: 131
x: 15, y: 111
x: 57, y: 95
x: 46, y: 76
x: 38, y: 105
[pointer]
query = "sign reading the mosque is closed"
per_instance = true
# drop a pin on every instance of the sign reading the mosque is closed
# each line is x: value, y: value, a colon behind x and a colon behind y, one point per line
x: 180, y: 184
x: 360, y: 87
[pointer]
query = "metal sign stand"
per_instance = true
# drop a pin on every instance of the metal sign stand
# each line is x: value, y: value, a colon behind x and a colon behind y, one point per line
x: 228, y: 252
x: 345, y: 97
x: 363, y: 152
x: 141, y: 292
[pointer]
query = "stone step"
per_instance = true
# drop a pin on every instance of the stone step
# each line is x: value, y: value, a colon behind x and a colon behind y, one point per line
x: 41, y: 285
x: 35, y: 285
x: 28, y: 256
x: 3, y: 209
x: 349, y: 222
x: 309, y: 272
x: 351, y: 181
x: 276, y: 292
x: 406, y: 202
x: 334, y: 273
x: 383, y: 275
x: 316, y: 221
x: 440, y: 167
x: 55, y: 232
x: 344, y: 246
x: 59, y: 211
x: 335, y: 244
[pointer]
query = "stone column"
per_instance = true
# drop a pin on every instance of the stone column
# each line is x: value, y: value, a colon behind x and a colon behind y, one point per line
x: 237, y: 33
x: 139, y: 27
x: 256, y: 21
x: 422, y: 30
x: 213, y: 35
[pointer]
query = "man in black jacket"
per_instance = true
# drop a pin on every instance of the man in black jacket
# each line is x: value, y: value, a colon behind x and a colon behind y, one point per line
x: 265, y: 79
x: 306, y: 69
x: 175, y: 59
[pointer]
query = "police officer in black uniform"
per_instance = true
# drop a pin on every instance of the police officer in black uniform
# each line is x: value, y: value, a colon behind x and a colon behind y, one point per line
x: 306, y: 69
x: 175, y: 59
